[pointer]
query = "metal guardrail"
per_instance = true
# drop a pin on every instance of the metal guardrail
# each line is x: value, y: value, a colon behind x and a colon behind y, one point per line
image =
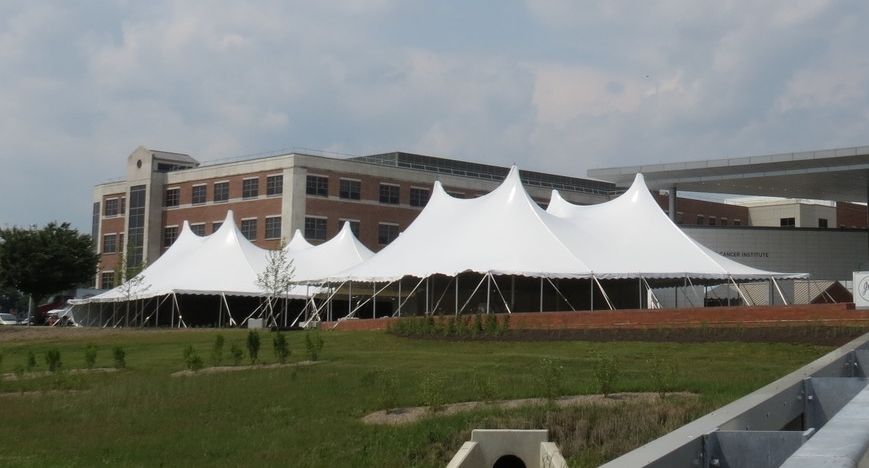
x: 779, y: 424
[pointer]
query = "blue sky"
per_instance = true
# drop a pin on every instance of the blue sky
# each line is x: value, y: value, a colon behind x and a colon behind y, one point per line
x: 556, y: 86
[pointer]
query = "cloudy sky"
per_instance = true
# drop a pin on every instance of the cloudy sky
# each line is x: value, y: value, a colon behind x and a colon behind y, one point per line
x: 557, y: 86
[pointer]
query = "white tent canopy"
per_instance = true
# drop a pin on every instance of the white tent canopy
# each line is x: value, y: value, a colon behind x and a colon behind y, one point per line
x: 337, y: 254
x: 506, y: 233
x: 630, y: 237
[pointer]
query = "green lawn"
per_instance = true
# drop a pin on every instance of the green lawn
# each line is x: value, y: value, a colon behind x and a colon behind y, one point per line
x: 309, y: 416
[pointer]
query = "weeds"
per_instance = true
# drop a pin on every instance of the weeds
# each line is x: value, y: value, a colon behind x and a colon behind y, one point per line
x: 432, y: 389
x: 549, y: 379
x: 663, y: 375
x: 236, y: 353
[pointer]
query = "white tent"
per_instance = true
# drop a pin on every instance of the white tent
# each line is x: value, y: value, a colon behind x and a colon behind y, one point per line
x: 224, y: 264
x: 505, y: 233
x: 631, y: 237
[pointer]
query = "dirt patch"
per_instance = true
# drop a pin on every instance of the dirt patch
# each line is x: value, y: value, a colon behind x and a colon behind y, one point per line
x: 397, y: 416
x: 20, y: 332
x: 32, y: 375
x: 220, y: 369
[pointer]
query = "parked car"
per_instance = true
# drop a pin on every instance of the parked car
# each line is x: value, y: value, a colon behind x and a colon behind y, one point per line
x: 8, y: 319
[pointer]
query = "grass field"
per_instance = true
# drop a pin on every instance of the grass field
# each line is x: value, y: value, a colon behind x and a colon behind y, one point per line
x: 310, y: 416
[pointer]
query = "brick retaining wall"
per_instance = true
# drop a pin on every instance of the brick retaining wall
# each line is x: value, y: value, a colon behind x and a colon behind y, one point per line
x: 753, y: 316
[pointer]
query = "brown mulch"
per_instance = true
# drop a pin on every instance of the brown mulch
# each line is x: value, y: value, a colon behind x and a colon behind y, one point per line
x: 220, y: 369
x: 814, y: 335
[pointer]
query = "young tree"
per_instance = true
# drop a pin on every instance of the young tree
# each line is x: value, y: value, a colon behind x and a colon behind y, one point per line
x: 276, y: 279
x: 128, y: 280
x: 42, y: 262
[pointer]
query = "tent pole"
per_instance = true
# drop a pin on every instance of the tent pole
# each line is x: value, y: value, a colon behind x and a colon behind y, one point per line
x: 603, y: 293
x: 488, y: 292
x: 456, y: 299
x: 399, y: 297
x: 657, y: 302
x: 483, y: 278
x: 373, y: 300
x: 744, y: 298
x: 541, y: 294
x: 349, y: 297
x: 591, y: 292
x: 780, y: 293
x: 501, y: 295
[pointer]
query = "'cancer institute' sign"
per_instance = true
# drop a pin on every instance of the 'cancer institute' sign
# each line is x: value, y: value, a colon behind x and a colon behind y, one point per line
x: 861, y: 289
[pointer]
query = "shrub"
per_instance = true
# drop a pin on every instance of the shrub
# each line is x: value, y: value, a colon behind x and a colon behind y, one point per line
x: 281, y: 348
x: 606, y: 371
x: 313, y: 344
x: 550, y: 378
x: 90, y: 355
x: 120, y: 356
x: 192, y: 358
x: 52, y: 359
x: 31, y: 361
x: 477, y: 327
x: 432, y: 389
x: 663, y: 375
x: 253, y: 344
x: 491, y: 325
x: 236, y: 353
x: 217, y: 350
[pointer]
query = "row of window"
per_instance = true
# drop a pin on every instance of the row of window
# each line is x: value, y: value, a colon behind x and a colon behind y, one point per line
x: 248, y: 227
x: 250, y: 188
x: 701, y: 220
x: 351, y: 189
x: 315, y: 229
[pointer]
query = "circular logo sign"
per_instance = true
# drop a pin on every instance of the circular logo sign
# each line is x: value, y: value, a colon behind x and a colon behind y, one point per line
x: 863, y: 288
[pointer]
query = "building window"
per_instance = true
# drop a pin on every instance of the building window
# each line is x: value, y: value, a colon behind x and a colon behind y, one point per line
x: 122, y: 207
x: 386, y: 233
x: 680, y: 217
x: 136, y: 225
x: 788, y: 222
x: 317, y: 186
x: 107, y: 280
x: 173, y: 197
x: 95, y: 221
x: 248, y: 229
x: 459, y: 195
x: 221, y: 191
x: 712, y: 220
x: 822, y: 222
x: 389, y: 194
x: 110, y: 243
x: 274, y: 185
x: 315, y: 228
x: 737, y: 222
x: 199, y: 194
x: 418, y: 196
x: 170, y: 233
x: 250, y: 188
x: 700, y: 220
x: 273, y: 227
x: 724, y: 221
x: 111, y: 207
x: 216, y: 225
x: 198, y: 229
x: 354, y: 226
x: 350, y: 189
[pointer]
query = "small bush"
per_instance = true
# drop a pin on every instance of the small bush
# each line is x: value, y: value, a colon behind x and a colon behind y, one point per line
x: 192, y: 358
x: 253, y: 344
x: 281, y: 348
x: 606, y: 371
x: 90, y: 355
x: 52, y: 360
x: 491, y: 326
x: 663, y: 375
x: 313, y: 344
x: 217, y: 350
x: 551, y: 371
x: 31, y: 361
x: 236, y: 353
x: 120, y: 357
